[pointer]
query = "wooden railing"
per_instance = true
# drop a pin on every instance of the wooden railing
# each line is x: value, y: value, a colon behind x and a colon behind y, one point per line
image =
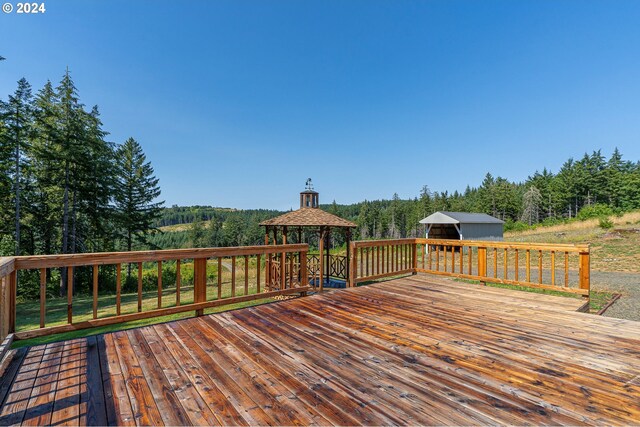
x: 561, y: 267
x: 375, y: 259
x: 235, y: 275
x: 337, y: 266
x: 292, y: 271
x: 7, y: 303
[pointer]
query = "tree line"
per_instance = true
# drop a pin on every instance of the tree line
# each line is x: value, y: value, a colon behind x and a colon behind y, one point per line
x: 589, y: 187
x: 64, y: 188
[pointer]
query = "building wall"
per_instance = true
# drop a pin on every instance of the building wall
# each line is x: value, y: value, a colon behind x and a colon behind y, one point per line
x: 482, y: 231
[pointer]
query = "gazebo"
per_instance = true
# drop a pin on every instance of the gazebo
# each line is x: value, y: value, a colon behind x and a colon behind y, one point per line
x: 311, y: 218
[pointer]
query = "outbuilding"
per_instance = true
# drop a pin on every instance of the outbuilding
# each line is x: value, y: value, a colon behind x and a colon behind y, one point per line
x: 463, y: 226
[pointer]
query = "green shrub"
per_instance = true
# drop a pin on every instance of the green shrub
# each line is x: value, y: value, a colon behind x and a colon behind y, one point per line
x: 605, y: 223
x: 594, y: 211
x: 516, y: 226
x: 553, y: 221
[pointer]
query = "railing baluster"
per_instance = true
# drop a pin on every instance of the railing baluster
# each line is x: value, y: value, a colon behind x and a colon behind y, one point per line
x: 246, y: 275
x: 444, y: 248
x: 553, y: 268
x: 453, y: 259
x: 517, y: 266
x: 388, y: 250
x: 95, y: 291
x: 430, y: 255
x: 396, y: 248
x: 495, y: 263
x: 43, y: 295
x: 405, y: 257
x: 178, y: 282
x: 283, y: 271
x: 159, y: 284
x: 118, y: 289
x: 233, y: 276
x: 461, y: 259
x: 528, y: 266
x: 437, y: 257
x: 291, y: 271
x: 139, y: 287
x: 566, y: 269
x: 470, y: 260
x: 506, y: 263
x: 367, y: 261
x: 259, y: 268
x: 70, y: 295
x: 540, y: 267
x: 219, y: 278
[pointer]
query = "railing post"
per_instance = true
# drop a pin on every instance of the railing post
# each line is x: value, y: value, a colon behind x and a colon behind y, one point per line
x: 353, y: 267
x: 200, y: 282
x: 414, y: 261
x: 585, y: 271
x: 482, y: 264
x: 13, y: 295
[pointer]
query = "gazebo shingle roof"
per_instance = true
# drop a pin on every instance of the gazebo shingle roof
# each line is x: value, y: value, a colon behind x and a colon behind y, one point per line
x: 308, y: 217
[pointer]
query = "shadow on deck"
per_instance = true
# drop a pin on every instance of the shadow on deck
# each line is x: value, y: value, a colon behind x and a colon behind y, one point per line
x: 415, y: 350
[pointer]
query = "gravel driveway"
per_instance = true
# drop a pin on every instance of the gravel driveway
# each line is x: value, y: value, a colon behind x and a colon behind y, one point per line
x: 627, y: 284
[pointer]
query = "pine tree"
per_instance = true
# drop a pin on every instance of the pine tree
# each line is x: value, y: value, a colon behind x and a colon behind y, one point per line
x: 135, y: 194
x: 69, y: 146
x: 46, y: 205
x: 17, y: 115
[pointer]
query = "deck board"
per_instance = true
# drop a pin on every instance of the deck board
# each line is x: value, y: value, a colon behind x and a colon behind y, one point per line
x: 415, y: 350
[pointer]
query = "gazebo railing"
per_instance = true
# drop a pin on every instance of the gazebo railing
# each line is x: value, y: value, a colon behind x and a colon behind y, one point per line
x: 338, y: 266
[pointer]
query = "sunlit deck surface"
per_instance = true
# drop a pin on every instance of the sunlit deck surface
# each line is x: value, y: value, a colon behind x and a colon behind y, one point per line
x: 415, y: 350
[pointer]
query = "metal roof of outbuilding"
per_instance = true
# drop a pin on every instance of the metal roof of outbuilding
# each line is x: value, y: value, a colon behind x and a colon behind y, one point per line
x: 443, y: 217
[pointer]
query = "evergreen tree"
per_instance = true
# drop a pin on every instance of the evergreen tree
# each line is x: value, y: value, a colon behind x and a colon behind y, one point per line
x: 135, y: 194
x: 17, y: 114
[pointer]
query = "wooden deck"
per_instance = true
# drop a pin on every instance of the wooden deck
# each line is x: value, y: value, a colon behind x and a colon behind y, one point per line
x: 415, y: 350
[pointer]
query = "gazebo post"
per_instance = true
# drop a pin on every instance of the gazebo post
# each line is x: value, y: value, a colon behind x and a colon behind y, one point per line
x: 328, y: 255
x: 321, y: 258
x: 267, y: 260
x: 283, y: 260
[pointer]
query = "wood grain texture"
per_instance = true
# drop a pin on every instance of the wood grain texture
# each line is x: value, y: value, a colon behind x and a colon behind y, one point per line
x: 412, y: 351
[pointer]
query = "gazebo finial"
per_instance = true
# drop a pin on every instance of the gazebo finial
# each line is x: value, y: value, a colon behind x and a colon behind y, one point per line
x: 309, y: 185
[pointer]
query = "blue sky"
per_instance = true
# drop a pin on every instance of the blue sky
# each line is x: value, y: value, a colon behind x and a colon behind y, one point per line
x: 236, y: 103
